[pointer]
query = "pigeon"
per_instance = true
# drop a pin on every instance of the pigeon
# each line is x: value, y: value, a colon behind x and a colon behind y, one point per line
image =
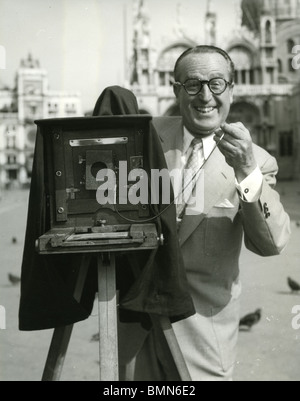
x: 13, y: 279
x: 294, y: 286
x: 251, y: 319
x: 95, y: 337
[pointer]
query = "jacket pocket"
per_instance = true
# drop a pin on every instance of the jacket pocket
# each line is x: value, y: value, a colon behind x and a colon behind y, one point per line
x: 223, y: 232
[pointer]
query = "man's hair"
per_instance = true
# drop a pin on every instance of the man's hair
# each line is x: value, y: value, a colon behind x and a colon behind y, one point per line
x: 206, y: 50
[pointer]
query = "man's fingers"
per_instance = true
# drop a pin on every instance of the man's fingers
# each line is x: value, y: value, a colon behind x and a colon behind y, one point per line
x: 227, y: 147
x: 237, y: 130
x: 226, y: 138
x: 239, y: 124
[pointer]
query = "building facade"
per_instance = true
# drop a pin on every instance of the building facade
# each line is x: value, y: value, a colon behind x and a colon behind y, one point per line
x: 263, y: 46
x: 31, y: 99
x: 296, y: 129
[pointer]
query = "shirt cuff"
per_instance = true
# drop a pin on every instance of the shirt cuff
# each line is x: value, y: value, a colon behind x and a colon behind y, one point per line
x: 251, y: 188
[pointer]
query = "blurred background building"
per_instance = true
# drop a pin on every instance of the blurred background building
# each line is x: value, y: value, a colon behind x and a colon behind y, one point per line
x: 29, y: 100
x: 267, y: 90
x: 264, y: 44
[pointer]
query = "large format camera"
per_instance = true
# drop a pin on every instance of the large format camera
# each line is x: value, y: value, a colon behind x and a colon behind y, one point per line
x: 76, y: 152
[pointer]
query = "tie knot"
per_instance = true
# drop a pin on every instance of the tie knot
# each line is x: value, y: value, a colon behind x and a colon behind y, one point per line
x: 197, y: 143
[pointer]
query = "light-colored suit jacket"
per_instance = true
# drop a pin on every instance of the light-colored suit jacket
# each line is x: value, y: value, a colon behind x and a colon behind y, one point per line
x: 211, y: 241
x: 211, y: 244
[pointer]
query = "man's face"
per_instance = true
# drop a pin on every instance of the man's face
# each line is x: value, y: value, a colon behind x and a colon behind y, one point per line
x: 203, y: 113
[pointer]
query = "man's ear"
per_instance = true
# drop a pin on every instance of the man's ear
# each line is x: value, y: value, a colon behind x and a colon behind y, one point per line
x: 176, y: 90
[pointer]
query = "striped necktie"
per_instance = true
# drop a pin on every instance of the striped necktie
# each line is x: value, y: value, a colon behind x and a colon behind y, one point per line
x: 190, y: 176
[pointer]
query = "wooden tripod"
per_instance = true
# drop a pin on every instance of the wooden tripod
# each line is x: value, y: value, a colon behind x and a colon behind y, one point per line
x: 108, y: 331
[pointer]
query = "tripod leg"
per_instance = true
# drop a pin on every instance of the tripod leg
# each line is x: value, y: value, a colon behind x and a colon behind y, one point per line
x: 108, y: 333
x: 57, y: 352
x: 175, y: 350
x: 61, y: 336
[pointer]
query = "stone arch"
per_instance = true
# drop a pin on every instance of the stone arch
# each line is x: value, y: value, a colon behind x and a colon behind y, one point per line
x: 180, y: 46
x: 244, y: 58
x: 166, y: 61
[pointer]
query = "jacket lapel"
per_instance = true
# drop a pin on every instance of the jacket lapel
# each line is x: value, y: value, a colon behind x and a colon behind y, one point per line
x: 217, y: 178
x: 171, y: 135
x: 218, y: 175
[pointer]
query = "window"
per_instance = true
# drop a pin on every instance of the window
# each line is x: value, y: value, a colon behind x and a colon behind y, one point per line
x: 52, y: 108
x: 236, y: 77
x: 268, y: 32
x: 12, y: 175
x: 162, y: 78
x: 33, y: 110
x: 10, y: 142
x: 11, y: 159
x: 69, y: 109
x: 266, y: 108
x: 286, y: 143
x: 244, y: 77
x: 290, y: 45
x: 290, y: 65
x: 145, y: 55
x: 280, y: 70
x: 270, y: 74
x: 145, y: 77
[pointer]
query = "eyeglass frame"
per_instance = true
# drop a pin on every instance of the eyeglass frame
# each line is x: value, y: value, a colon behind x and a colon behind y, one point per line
x: 202, y: 84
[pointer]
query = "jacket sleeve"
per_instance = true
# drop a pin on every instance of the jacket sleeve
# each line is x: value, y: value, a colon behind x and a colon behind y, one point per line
x: 266, y: 224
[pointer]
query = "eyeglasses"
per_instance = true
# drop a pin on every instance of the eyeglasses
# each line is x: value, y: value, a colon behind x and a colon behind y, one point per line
x: 217, y: 86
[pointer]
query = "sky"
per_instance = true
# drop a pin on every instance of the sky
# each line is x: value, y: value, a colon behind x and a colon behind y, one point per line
x: 84, y: 44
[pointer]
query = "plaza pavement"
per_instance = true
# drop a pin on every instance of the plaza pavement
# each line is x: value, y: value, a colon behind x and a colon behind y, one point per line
x: 270, y: 351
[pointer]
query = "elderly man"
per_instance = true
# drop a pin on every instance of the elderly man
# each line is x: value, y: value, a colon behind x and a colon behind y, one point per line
x: 237, y: 180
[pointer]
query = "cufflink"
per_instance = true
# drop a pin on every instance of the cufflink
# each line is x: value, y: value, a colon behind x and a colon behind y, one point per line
x: 266, y: 211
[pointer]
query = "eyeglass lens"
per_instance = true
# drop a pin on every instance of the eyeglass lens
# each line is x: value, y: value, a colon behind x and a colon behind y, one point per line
x: 216, y: 86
